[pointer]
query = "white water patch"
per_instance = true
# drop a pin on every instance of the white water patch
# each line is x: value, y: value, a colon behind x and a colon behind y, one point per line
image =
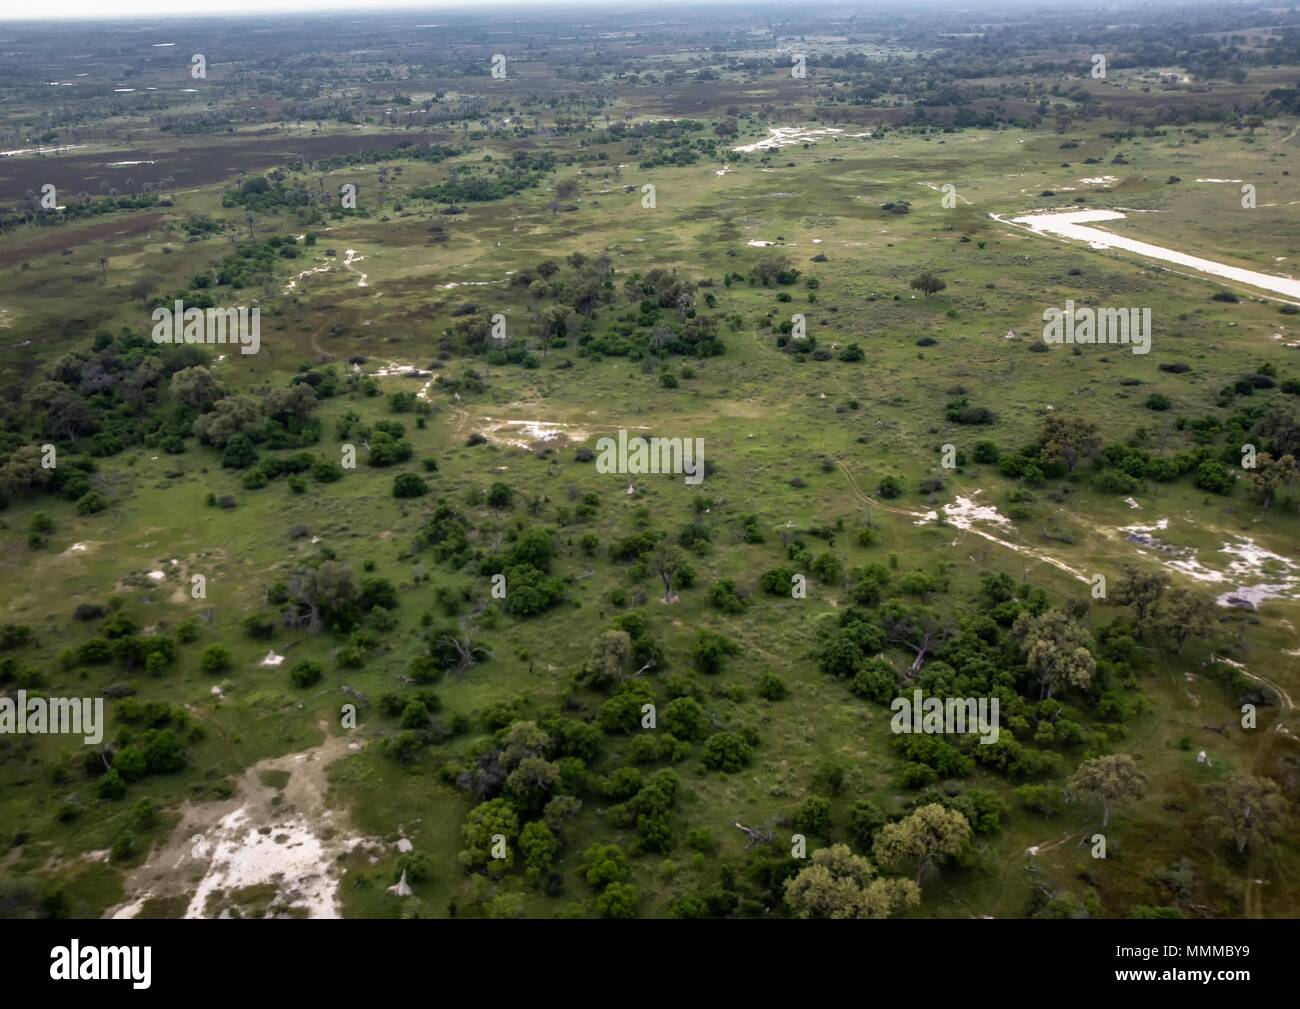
x: 405, y: 370
x: 124, y: 164
x: 324, y: 268
x: 1142, y: 534
x: 291, y: 854
x: 1218, y: 180
x: 526, y: 433
x: 157, y: 576
x: 963, y: 511
x: 786, y: 136
x: 760, y: 244
x: 1071, y: 224
x: 350, y: 257
x: 1100, y: 180
x: 272, y: 660
x: 1252, y: 576
x: 393, y: 369
x: 724, y: 170
x: 453, y: 284
x: 40, y: 150
x: 293, y: 844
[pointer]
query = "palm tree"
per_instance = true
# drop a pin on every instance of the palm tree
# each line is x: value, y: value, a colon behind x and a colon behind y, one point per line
x: 103, y: 266
x: 248, y: 219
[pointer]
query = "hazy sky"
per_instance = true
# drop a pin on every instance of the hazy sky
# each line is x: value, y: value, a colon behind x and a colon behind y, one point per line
x: 129, y: 8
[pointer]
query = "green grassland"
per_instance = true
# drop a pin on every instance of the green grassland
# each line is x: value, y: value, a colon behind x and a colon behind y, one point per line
x: 799, y: 443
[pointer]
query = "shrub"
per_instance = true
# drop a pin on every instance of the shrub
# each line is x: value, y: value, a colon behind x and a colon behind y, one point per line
x: 305, y: 672
x: 409, y: 485
x: 771, y: 687
x: 216, y: 659
x: 91, y: 503
x: 727, y: 752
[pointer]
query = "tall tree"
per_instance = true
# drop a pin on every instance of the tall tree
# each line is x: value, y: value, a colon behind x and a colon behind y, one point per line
x: 1069, y: 439
x: 1271, y: 476
x: 915, y: 627
x: 1184, y: 614
x: 609, y: 655
x: 668, y: 560
x: 839, y: 884
x: 1248, y: 810
x: 1141, y: 590
x: 1108, y: 780
x: 928, y: 283
x: 1056, y: 651
x: 922, y: 838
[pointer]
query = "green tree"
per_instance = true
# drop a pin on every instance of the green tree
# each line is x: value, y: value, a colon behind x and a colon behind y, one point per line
x: 922, y: 838
x: 1270, y: 476
x: 305, y: 672
x: 239, y: 453
x: 532, y: 782
x: 1140, y: 590
x: 1247, y: 810
x: 1108, y: 780
x: 539, y: 847
x: 813, y: 816
x: 1184, y: 614
x: 216, y: 659
x: 839, y: 884
x: 605, y: 864
x: 409, y: 485
x: 496, y: 816
x: 1070, y: 440
x: 928, y: 283
x: 609, y: 655
x: 685, y: 718
x: 1056, y: 651
x: 727, y: 752
x: 619, y: 900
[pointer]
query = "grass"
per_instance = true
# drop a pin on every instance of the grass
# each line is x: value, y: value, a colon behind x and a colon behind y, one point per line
x: 765, y: 418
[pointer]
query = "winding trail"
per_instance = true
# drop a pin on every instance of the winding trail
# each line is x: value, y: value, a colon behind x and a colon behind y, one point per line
x: 970, y: 528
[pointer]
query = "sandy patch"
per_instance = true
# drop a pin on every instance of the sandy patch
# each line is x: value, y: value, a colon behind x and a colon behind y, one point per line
x: 1251, y: 576
x: 527, y: 433
x: 221, y: 848
x: 786, y: 136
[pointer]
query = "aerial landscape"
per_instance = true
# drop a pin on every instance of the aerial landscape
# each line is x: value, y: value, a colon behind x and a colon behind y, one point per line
x: 682, y: 461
